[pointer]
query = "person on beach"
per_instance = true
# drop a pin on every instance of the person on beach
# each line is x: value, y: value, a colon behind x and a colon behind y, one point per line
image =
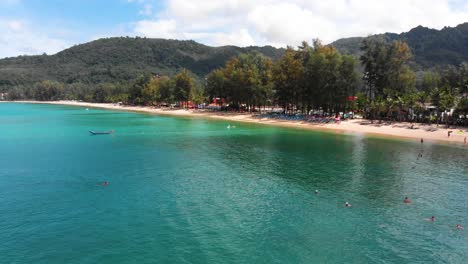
x: 449, y: 132
x: 464, y: 141
x: 407, y: 200
x: 347, y: 204
x: 337, y: 119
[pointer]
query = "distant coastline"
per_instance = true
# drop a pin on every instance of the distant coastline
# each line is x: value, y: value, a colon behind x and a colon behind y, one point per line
x: 355, y: 126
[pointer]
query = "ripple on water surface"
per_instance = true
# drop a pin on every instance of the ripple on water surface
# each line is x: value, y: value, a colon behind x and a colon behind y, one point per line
x: 192, y: 191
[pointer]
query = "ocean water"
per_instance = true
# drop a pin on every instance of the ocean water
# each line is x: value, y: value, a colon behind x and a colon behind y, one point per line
x: 193, y: 191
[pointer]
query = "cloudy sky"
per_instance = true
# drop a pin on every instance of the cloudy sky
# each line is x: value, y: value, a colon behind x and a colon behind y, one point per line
x: 38, y: 26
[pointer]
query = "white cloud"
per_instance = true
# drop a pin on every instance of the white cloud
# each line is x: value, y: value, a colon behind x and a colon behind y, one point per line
x: 281, y: 23
x: 241, y: 22
x: 157, y: 29
x: 239, y: 38
x: 18, y: 37
x: 147, y: 10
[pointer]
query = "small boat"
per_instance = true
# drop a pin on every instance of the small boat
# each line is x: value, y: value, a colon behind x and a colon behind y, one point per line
x: 101, y: 132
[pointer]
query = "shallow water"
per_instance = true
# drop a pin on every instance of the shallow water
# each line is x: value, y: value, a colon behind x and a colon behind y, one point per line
x: 193, y: 191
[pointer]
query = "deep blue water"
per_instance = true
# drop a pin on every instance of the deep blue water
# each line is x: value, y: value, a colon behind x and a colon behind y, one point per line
x: 193, y: 191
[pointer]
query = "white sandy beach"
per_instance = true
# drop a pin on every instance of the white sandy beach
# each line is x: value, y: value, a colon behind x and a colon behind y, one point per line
x: 359, y: 126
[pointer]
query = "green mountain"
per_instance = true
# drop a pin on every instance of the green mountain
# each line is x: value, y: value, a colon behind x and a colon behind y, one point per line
x: 121, y: 59
x: 430, y: 47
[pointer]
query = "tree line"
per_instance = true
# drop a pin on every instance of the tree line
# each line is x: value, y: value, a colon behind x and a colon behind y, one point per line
x: 392, y: 91
x: 310, y: 78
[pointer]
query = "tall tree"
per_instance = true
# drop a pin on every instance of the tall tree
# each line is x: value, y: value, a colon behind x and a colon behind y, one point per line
x: 287, y: 76
x: 151, y: 92
x: 183, y: 85
x: 136, y: 90
x: 166, y: 89
x: 386, y: 70
x: 216, y: 86
x: 48, y: 90
x: 245, y: 79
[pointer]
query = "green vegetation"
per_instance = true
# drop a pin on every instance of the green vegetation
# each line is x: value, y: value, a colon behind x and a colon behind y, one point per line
x: 392, y: 92
x: 384, y: 83
x: 120, y: 61
x: 431, y: 48
x: 317, y: 77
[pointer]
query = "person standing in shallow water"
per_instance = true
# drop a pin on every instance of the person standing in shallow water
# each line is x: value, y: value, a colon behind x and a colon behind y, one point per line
x: 422, y: 140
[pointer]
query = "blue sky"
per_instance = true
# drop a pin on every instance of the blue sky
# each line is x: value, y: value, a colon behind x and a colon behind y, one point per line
x: 37, y: 26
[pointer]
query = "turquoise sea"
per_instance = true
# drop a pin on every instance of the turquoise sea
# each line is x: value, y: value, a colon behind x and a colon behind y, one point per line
x: 193, y: 191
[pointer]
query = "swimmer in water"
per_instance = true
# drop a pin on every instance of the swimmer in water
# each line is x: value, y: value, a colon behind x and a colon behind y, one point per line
x: 317, y: 192
x: 407, y: 200
x: 105, y: 183
x: 347, y: 204
x: 459, y: 227
x: 432, y: 219
x: 422, y: 140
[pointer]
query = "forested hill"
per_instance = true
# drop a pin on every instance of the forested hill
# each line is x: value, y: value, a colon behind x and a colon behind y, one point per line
x: 430, y: 47
x: 121, y: 59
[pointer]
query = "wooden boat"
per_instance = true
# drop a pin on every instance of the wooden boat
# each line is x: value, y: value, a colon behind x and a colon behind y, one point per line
x: 101, y: 132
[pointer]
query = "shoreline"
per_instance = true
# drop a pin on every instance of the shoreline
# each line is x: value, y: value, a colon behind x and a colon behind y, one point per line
x: 356, y: 126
